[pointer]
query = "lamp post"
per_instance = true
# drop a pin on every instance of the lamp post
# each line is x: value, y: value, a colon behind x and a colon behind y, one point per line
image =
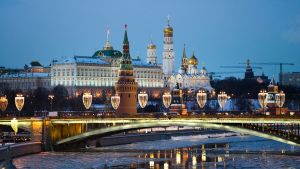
x: 87, y: 99
x: 3, y: 103
x: 143, y: 99
x: 222, y: 99
x: 51, y: 97
x: 115, y: 101
x: 19, y: 102
x: 262, y: 99
x: 201, y: 98
x: 280, y: 99
x: 167, y: 98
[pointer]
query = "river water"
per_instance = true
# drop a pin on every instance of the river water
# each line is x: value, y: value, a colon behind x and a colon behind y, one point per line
x: 180, y: 152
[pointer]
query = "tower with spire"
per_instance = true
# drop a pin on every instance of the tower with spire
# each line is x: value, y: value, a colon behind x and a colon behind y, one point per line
x: 151, y: 54
x: 184, y: 60
x: 168, y: 52
x: 126, y: 86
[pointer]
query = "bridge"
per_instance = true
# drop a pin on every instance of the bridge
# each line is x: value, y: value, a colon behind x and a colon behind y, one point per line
x: 76, y: 132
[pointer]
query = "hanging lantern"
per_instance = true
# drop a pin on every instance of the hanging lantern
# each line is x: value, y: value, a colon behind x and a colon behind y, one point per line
x: 14, y: 125
x: 167, y: 98
x: 143, y: 99
x: 115, y: 101
x: 19, y: 101
x: 262, y: 98
x: 3, y: 103
x: 201, y: 98
x: 280, y: 99
x: 222, y: 99
x: 87, y: 99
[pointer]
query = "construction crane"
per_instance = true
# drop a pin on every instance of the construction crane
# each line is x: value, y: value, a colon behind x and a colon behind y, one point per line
x: 280, y: 64
x: 255, y: 67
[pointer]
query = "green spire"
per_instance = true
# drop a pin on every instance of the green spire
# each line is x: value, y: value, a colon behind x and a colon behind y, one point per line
x: 125, y: 63
x: 125, y: 41
x: 184, y: 54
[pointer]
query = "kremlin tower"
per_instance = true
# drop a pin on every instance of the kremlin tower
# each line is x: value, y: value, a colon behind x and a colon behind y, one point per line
x: 168, y: 52
x: 126, y: 86
x: 184, y: 61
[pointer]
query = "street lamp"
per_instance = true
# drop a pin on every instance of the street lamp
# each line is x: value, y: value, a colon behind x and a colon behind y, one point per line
x: 115, y: 101
x: 143, y: 99
x: 87, y: 99
x: 280, y: 99
x: 19, y: 101
x: 51, y: 97
x: 222, y: 99
x: 167, y: 98
x: 3, y: 103
x: 201, y: 98
x: 262, y: 99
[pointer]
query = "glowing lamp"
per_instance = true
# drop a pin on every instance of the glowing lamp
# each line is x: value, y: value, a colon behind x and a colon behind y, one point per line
x: 87, y: 99
x: 19, y: 101
x: 3, y: 103
x: 201, y: 98
x: 115, y: 101
x: 143, y: 99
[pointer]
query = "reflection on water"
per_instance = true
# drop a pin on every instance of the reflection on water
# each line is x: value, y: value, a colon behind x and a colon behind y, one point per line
x: 236, y: 152
x: 187, y: 157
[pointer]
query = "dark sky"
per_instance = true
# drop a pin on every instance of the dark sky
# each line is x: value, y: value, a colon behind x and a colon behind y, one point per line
x: 220, y: 32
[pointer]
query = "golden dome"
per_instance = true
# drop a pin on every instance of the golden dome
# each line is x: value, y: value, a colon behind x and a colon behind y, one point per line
x: 193, y: 60
x: 151, y: 46
x: 168, y: 30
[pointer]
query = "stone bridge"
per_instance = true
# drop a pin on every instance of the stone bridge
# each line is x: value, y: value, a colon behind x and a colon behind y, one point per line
x: 69, y: 132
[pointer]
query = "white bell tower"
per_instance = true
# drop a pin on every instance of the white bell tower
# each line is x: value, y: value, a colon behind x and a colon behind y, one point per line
x: 168, y: 52
x: 151, y: 54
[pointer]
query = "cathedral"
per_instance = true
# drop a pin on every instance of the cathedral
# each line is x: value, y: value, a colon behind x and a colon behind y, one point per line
x: 189, y: 77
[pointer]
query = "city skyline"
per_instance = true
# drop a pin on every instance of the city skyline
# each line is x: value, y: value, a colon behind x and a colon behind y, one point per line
x: 225, y: 33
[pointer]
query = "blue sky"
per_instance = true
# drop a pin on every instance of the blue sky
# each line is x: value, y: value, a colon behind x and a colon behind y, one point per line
x: 220, y: 32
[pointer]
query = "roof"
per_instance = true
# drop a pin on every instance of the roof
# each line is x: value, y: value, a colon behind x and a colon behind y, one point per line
x: 83, y: 59
x: 107, y: 53
x: 35, y: 63
x: 18, y: 75
x: 138, y: 62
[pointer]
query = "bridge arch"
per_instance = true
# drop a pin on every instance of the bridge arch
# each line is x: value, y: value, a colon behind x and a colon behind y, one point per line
x: 140, y: 125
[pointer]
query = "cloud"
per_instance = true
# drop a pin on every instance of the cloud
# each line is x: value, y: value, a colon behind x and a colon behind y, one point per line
x: 292, y: 34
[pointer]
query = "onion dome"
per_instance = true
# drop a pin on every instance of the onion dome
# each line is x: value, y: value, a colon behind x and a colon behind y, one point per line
x: 151, y: 46
x: 193, y: 60
x: 168, y: 31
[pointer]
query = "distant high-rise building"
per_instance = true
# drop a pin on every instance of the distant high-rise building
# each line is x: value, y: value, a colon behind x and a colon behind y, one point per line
x: 249, y: 72
x: 292, y: 79
x: 126, y: 86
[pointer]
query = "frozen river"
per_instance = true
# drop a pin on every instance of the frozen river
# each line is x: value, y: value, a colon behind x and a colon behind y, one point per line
x: 179, y: 152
